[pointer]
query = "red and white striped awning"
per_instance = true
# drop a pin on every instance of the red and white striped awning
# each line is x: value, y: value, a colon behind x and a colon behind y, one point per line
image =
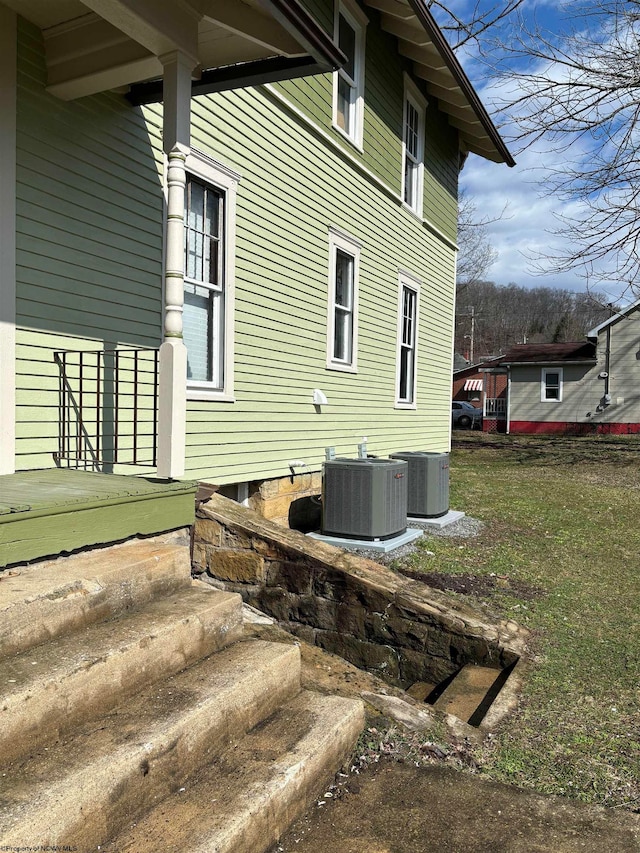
x: 473, y: 385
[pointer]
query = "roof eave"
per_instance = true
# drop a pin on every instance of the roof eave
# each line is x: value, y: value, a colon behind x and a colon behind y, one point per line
x: 435, y: 34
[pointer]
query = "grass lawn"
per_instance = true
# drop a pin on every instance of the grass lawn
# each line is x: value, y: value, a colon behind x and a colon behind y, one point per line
x: 562, y: 548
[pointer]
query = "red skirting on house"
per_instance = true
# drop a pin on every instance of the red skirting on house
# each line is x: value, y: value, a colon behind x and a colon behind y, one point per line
x: 572, y: 428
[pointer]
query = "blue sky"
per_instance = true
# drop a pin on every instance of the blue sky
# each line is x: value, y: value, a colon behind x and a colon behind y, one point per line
x: 528, y: 222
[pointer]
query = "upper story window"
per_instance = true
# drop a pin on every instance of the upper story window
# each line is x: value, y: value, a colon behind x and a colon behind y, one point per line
x: 407, y: 343
x: 413, y: 148
x: 551, y: 385
x: 209, y: 240
x: 342, y: 327
x: 348, y: 81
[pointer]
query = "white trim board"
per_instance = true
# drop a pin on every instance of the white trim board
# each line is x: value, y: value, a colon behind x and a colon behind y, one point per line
x: 8, y: 98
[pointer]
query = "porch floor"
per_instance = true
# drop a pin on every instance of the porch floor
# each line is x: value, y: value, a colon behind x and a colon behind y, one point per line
x: 54, y: 511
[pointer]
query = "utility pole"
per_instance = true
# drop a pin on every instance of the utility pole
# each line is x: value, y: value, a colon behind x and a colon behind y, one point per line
x: 471, y: 311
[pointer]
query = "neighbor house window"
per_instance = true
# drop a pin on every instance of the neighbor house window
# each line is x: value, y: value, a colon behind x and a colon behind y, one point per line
x: 407, y: 341
x: 413, y: 148
x: 551, y: 385
x: 348, y: 81
x: 342, y: 336
x: 208, y: 276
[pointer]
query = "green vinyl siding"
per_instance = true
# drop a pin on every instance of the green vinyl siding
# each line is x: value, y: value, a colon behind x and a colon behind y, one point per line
x: 322, y: 11
x: 90, y: 207
x: 382, y: 129
x: 89, y: 239
x: 288, y: 197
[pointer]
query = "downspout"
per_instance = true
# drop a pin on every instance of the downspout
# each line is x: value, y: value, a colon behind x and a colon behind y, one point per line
x: 607, y: 361
x: 508, y: 399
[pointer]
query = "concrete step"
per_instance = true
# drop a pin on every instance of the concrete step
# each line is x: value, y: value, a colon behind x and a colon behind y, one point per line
x: 47, y: 690
x: 56, y: 597
x: 246, y: 798
x: 82, y: 792
x: 466, y: 693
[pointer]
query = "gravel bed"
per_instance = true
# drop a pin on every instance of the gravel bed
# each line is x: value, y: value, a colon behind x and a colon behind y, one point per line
x: 465, y: 528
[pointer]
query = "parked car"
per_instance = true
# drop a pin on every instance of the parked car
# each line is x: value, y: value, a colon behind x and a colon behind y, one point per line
x: 465, y: 416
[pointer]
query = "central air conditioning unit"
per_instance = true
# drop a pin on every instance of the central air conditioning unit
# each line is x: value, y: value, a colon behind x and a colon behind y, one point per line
x: 427, y: 483
x: 364, y: 498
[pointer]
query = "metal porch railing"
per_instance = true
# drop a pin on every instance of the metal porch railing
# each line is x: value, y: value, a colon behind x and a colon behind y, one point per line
x: 495, y: 407
x: 108, y: 408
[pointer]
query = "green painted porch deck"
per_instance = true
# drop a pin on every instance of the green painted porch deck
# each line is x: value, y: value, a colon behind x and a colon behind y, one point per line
x: 55, y: 511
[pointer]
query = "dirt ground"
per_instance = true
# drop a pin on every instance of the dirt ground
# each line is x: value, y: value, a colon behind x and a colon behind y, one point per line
x: 395, y: 807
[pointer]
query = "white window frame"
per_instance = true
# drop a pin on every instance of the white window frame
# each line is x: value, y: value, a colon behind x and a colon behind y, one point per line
x: 356, y: 18
x: 225, y: 181
x: 413, y: 97
x: 340, y: 241
x: 407, y: 282
x: 543, y: 385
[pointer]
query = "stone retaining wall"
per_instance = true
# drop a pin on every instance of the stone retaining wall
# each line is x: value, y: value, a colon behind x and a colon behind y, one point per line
x: 393, y: 626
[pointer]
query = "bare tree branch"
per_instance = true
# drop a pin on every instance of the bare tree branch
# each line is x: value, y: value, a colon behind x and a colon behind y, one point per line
x: 578, y: 94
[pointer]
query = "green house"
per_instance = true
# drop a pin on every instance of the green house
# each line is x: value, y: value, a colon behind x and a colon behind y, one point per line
x: 227, y: 238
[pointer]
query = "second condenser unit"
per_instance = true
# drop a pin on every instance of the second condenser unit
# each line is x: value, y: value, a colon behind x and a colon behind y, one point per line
x: 427, y: 483
x: 364, y: 498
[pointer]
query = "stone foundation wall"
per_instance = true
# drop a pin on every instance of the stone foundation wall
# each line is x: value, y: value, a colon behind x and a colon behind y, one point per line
x: 287, y: 500
x: 393, y: 626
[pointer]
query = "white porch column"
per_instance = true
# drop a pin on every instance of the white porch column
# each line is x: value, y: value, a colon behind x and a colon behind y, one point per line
x: 172, y: 391
x: 8, y: 75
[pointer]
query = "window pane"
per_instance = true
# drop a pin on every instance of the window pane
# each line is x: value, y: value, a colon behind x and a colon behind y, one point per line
x: 343, y: 335
x: 345, y: 94
x: 410, y: 173
x: 344, y: 279
x: 347, y: 44
x: 197, y: 332
x: 411, y: 129
x: 406, y: 375
x: 196, y: 205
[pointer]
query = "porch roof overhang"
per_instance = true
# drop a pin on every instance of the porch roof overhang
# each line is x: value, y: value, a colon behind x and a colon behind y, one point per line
x: 421, y: 40
x: 98, y: 45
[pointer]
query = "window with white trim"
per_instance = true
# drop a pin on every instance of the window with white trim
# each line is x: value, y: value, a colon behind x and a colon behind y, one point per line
x: 407, y: 343
x: 342, y: 335
x: 413, y: 148
x: 209, y: 225
x: 551, y: 385
x: 348, y: 81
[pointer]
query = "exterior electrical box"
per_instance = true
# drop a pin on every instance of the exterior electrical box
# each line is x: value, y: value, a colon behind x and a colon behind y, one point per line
x: 427, y: 483
x: 364, y: 498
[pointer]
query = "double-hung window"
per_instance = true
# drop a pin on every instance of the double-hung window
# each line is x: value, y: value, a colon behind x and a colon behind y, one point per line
x: 413, y: 148
x: 209, y: 220
x: 342, y: 326
x: 407, y: 343
x: 349, y: 80
x: 551, y: 385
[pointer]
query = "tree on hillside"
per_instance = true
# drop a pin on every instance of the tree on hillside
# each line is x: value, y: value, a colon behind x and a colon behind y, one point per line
x: 503, y: 316
x: 578, y: 94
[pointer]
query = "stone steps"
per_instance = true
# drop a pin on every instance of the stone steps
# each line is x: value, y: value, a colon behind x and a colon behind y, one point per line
x: 245, y: 799
x: 142, y: 692
x: 57, y: 597
x: 47, y: 690
x: 465, y: 696
x: 82, y: 791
